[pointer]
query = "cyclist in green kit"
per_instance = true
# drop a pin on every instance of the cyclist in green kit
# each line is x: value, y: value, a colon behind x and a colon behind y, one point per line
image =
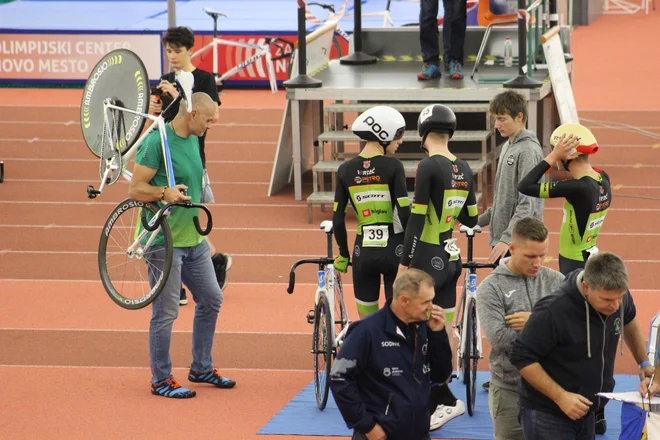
x: 376, y: 187
x: 588, y: 195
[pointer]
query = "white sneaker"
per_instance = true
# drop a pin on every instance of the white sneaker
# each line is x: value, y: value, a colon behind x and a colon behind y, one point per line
x: 444, y: 413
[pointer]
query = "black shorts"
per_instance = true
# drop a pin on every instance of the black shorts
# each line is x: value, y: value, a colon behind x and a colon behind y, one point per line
x: 434, y: 260
x: 369, y: 263
x: 567, y: 265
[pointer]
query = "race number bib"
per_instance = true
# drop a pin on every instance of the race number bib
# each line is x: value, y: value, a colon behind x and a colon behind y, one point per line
x: 451, y: 248
x: 375, y: 236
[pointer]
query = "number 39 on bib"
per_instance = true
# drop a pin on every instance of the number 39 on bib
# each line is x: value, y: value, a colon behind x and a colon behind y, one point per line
x: 375, y: 236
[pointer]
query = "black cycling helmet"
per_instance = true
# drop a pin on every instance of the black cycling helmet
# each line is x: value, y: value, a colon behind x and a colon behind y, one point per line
x: 438, y: 118
x: 382, y: 124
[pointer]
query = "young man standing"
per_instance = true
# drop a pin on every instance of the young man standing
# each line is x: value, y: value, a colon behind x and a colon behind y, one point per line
x: 519, y: 155
x: 178, y: 43
x: 506, y: 298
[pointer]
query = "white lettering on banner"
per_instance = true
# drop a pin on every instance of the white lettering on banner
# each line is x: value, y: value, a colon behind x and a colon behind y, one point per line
x: 16, y: 65
x: 17, y: 47
x: 595, y: 223
x: 63, y: 66
x: 100, y: 47
x: 373, y: 196
x: 454, y: 202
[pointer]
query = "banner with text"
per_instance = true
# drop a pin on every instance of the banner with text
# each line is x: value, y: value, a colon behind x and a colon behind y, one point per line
x: 70, y: 57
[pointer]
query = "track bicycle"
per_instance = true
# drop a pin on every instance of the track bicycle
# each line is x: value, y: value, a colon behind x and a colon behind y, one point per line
x: 467, y: 327
x: 332, y: 17
x: 261, y: 50
x: 136, y: 233
x: 329, y: 316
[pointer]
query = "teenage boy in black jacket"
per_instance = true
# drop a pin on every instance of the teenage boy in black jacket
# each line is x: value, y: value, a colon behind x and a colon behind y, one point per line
x: 381, y: 379
x: 566, y: 351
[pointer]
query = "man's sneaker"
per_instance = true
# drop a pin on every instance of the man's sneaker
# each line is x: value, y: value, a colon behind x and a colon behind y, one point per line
x: 444, y: 413
x: 222, y: 264
x: 486, y: 385
x: 212, y: 377
x: 171, y: 388
x: 601, y: 423
x: 455, y: 70
x: 183, y: 299
x: 429, y: 71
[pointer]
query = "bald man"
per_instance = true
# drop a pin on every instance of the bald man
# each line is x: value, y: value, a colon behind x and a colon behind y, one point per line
x: 191, y: 262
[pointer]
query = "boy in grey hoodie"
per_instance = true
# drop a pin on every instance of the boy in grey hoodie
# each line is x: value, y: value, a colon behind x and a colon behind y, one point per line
x: 505, y: 300
x: 519, y: 155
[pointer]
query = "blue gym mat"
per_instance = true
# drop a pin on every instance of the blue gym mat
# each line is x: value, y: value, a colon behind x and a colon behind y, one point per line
x: 302, y: 417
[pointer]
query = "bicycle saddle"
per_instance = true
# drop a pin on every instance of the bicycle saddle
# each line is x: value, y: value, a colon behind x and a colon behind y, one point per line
x: 326, y: 226
x: 215, y: 14
x: 470, y: 231
x: 186, y: 81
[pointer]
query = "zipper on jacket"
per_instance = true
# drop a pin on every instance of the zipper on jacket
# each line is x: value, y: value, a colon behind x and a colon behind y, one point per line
x: 602, y: 356
x: 389, y: 401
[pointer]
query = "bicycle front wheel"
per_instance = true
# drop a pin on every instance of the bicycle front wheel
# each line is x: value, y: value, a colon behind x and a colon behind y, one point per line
x: 322, y: 350
x: 471, y: 359
x: 133, y: 263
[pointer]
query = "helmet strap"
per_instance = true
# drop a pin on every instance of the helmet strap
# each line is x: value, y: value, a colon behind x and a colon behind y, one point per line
x: 421, y: 146
x: 566, y: 163
x: 384, y: 145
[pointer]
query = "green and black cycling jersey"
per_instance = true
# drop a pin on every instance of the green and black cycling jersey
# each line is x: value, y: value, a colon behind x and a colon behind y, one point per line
x: 376, y: 187
x: 587, y: 203
x: 444, y: 192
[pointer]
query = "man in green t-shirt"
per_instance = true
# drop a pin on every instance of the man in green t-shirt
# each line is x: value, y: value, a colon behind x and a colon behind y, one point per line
x: 191, y: 262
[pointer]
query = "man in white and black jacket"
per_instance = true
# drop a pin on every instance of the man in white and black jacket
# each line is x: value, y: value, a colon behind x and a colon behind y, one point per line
x: 566, y: 351
x: 381, y: 379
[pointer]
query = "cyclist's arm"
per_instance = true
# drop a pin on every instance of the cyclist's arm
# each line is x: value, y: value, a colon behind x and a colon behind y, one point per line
x: 339, y: 216
x: 492, y: 315
x: 469, y: 215
x: 401, y: 195
x: 530, y: 187
x: 419, y: 210
x: 351, y: 361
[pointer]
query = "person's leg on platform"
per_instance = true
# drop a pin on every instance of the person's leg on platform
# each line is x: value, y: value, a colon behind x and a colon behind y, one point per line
x: 428, y: 38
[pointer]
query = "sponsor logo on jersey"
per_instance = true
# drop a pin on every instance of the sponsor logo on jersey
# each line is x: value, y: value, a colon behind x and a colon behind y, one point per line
x: 602, y: 198
x: 378, y: 211
x: 458, y: 176
x: 366, y: 164
x: 455, y: 168
x: 372, y: 196
x: 366, y: 213
x: 369, y: 172
x: 589, y: 238
x: 455, y: 202
x: 603, y: 205
x: 593, y: 224
x: 449, y: 219
x: 602, y: 190
x: 358, y: 180
x: 462, y: 184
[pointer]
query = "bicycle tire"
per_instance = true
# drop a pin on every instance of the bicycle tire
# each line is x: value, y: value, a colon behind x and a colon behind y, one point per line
x: 337, y: 44
x: 459, y: 314
x: 322, y: 347
x: 472, y: 358
x: 341, y: 318
x: 113, y: 221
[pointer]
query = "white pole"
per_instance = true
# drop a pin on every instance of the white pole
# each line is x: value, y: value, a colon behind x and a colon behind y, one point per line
x: 171, y: 13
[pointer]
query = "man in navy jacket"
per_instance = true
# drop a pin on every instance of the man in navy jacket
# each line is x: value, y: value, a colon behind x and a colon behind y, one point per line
x: 381, y: 378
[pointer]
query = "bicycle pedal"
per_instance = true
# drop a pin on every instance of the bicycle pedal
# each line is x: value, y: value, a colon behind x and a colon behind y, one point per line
x: 310, y: 317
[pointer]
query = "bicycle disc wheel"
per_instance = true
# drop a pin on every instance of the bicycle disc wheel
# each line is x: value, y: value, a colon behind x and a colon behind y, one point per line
x: 121, y: 76
x: 132, y: 273
x: 471, y: 360
x: 322, y: 351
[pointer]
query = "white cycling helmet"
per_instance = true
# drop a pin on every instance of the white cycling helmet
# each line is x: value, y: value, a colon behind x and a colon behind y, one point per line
x: 382, y: 124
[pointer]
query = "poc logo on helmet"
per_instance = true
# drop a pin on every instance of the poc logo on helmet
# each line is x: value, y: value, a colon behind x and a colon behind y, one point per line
x: 376, y: 128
